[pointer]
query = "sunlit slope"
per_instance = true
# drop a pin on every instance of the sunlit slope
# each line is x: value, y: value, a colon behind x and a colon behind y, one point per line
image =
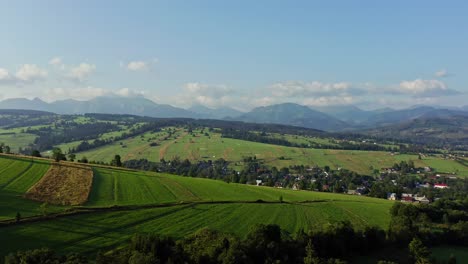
x: 16, y: 177
x: 212, y: 147
x: 176, y: 206
x: 122, y: 187
x: 90, y: 233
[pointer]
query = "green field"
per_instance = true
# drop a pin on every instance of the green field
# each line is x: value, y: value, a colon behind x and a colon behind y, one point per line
x: 201, y: 147
x: 90, y: 233
x: 16, y: 177
x: 17, y: 140
x: 120, y: 187
x: 228, y: 207
x: 212, y: 147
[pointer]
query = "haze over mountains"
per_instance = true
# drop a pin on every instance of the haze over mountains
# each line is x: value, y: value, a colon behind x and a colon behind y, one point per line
x: 330, y: 118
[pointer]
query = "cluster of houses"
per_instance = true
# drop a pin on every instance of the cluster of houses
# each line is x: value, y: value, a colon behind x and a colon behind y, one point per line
x: 392, y: 170
x: 409, y: 198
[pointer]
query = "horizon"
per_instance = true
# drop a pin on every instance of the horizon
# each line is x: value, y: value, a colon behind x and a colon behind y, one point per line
x: 317, y: 108
x: 240, y: 55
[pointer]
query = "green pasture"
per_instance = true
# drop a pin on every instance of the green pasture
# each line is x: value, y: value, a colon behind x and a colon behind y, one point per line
x: 90, y: 233
x: 17, y: 140
x: 201, y: 147
x: 120, y: 187
x: 16, y: 177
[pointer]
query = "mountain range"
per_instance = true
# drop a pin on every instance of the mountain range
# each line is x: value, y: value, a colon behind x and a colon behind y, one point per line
x: 330, y: 118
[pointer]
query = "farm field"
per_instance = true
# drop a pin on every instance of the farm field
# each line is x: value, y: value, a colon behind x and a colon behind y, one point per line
x: 212, y: 147
x: 69, y: 145
x: 120, y: 187
x: 17, y: 140
x: 63, y: 185
x: 207, y: 203
x: 92, y: 232
x: 16, y: 177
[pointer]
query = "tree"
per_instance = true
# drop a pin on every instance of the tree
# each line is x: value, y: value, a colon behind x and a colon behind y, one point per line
x: 18, y: 217
x: 311, y: 255
x: 83, y: 160
x: 7, y: 149
x: 452, y: 259
x: 72, y: 157
x: 36, y: 153
x: 57, y: 154
x: 116, y: 161
x: 1, y: 147
x: 419, y: 252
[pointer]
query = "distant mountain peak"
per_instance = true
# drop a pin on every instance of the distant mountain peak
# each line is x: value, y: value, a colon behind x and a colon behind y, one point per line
x: 293, y: 114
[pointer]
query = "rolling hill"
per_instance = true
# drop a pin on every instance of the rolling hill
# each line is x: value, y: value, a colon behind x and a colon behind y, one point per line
x: 124, y: 202
x: 442, y: 128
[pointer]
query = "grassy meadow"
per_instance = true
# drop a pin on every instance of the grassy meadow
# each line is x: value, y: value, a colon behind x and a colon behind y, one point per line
x: 201, y: 147
x: 92, y: 232
x: 16, y: 177
x: 156, y: 206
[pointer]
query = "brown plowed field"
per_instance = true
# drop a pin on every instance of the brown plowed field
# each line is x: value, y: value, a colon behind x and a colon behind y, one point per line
x: 63, y: 185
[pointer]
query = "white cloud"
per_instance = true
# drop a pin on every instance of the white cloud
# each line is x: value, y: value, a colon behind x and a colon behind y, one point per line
x: 30, y: 73
x: 301, y: 89
x: 81, y: 72
x: 126, y: 92
x: 208, y: 90
x: 137, y: 66
x: 424, y: 88
x: 86, y: 93
x: 82, y: 93
x: 56, y: 61
x: 4, y: 75
x: 261, y: 101
x: 329, y: 100
x: 205, y: 94
x: 442, y: 73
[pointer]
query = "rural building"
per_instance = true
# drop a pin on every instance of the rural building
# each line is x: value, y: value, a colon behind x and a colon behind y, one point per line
x: 421, y: 199
x: 391, y: 196
x: 440, y: 186
x: 425, y: 185
x: 407, y: 197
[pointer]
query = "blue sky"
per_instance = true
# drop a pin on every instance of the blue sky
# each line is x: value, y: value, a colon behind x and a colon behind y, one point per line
x: 237, y: 53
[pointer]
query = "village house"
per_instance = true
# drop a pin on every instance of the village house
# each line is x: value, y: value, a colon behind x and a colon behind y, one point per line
x: 421, y: 199
x: 391, y: 196
x: 425, y: 185
x: 407, y: 197
x: 440, y: 186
